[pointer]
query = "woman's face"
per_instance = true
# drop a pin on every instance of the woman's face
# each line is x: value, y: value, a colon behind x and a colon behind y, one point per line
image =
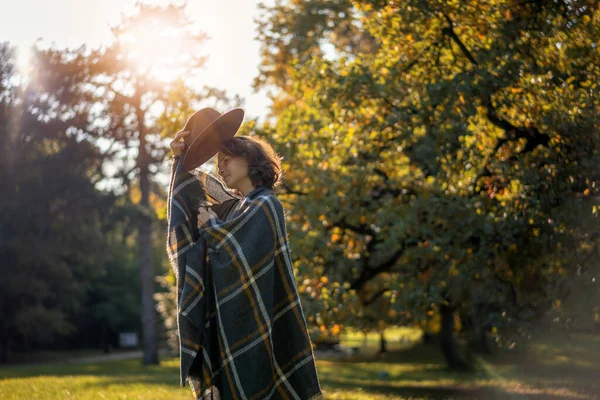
x: 233, y: 170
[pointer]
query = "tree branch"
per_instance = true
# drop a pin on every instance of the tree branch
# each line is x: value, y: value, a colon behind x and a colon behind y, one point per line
x: 368, y: 273
x: 533, y: 136
x: 289, y: 190
x: 449, y: 30
x: 375, y: 297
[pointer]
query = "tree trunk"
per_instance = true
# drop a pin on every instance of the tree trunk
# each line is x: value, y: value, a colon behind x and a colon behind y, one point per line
x: 480, y: 342
x: 448, y: 344
x: 145, y: 252
x: 477, y: 331
x: 4, y: 350
x: 106, y: 342
x: 382, y: 343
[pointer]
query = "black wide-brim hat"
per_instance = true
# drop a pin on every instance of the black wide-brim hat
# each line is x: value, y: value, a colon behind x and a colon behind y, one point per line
x: 208, y: 130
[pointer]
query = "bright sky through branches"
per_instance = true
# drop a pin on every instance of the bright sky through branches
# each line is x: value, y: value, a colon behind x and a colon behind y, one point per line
x: 233, y: 54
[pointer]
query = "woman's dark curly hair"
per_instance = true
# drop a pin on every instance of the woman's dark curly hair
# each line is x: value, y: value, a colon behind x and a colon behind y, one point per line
x: 264, y: 164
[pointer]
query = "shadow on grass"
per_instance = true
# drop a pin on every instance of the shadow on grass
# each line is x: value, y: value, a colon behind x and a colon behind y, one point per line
x: 420, y: 392
x: 547, y: 372
x: 421, y: 372
x: 418, y: 372
x: 554, y: 361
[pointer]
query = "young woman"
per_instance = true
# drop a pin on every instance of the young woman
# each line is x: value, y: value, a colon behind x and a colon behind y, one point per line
x: 252, y: 335
x: 247, y: 165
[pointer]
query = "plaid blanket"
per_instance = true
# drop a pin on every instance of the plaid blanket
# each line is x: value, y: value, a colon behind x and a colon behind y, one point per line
x: 242, y: 330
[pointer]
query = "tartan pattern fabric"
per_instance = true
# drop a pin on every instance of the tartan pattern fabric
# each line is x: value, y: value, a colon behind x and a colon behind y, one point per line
x: 242, y: 330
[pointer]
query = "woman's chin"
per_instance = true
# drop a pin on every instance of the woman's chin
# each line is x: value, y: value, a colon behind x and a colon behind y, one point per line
x: 228, y: 184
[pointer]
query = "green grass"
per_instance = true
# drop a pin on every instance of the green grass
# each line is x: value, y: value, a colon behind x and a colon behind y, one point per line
x: 397, y: 338
x: 127, y: 379
x: 130, y: 380
x: 553, y: 369
x: 417, y: 373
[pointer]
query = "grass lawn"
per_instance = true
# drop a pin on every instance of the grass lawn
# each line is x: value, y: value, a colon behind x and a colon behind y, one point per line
x: 556, y: 367
x: 125, y: 379
x: 553, y: 370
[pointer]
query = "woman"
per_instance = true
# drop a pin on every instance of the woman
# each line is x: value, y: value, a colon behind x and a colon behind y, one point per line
x: 243, y: 331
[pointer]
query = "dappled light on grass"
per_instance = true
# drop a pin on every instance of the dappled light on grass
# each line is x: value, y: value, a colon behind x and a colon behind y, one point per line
x: 418, y: 372
x: 553, y: 367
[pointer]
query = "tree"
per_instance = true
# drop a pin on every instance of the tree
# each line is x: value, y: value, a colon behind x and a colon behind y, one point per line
x: 138, y: 87
x: 297, y: 31
x: 52, y: 212
x: 441, y: 158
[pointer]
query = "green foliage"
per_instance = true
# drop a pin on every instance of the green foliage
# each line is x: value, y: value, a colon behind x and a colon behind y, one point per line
x: 52, y: 213
x: 437, y: 166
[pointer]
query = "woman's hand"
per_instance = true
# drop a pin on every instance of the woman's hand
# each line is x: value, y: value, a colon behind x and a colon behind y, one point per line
x: 204, y: 213
x: 178, y: 145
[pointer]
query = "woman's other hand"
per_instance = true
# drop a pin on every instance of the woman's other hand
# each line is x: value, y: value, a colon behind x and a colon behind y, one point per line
x: 177, y: 144
x: 204, y: 214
